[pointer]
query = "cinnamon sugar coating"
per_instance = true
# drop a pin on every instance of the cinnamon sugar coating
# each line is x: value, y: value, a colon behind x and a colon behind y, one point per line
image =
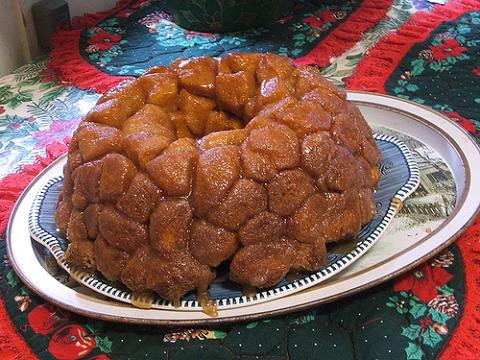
x: 246, y: 159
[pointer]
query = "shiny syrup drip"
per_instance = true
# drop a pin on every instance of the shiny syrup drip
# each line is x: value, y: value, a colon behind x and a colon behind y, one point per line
x: 208, y: 305
x: 142, y: 300
x: 398, y: 204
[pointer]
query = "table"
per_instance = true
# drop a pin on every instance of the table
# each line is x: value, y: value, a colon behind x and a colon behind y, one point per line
x: 412, y: 49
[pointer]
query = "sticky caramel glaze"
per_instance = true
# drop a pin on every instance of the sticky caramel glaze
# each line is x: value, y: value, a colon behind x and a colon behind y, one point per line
x: 244, y: 159
x: 208, y: 305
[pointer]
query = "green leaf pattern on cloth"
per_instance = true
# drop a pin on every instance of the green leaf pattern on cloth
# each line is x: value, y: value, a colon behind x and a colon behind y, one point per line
x: 34, y: 111
x: 417, y: 309
x: 427, y: 323
x: 414, y: 352
x: 103, y: 344
x: 450, y: 57
x: 111, y: 46
x: 438, y: 316
x: 344, y: 65
x: 412, y: 332
x: 430, y: 337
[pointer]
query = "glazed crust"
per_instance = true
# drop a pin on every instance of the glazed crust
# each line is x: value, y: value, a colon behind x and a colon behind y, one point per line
x: 246, y: 159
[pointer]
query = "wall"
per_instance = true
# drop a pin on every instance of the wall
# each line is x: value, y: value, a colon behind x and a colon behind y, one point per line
x: 80, y: 7
x: 30, y: 28
x: 11, y: 51
x: 16, y: 32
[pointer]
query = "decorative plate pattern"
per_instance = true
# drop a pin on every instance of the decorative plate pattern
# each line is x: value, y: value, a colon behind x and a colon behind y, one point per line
x: 400, y: 178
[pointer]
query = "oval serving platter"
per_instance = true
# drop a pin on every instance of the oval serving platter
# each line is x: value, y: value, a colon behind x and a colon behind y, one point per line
x: 448, y: 141
x: 400, y: 178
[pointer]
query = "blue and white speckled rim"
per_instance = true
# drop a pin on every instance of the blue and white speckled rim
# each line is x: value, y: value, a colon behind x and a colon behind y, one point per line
x: 52, y: 243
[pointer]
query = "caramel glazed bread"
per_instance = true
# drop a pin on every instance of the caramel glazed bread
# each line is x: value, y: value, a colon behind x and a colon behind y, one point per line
x: 244, y: 158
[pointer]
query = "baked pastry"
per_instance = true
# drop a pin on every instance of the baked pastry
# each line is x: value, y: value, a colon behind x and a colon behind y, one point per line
x: 246, y: 159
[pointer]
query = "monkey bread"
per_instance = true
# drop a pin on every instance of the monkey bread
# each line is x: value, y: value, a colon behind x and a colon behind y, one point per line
x: 246, y: 159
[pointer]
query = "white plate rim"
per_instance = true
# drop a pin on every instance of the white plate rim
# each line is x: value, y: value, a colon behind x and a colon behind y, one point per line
x: 50, y: 241
x: 429, y: 246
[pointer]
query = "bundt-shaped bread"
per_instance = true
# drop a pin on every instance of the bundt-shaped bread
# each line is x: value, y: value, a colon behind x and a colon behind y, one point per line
x: 245, y: 158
